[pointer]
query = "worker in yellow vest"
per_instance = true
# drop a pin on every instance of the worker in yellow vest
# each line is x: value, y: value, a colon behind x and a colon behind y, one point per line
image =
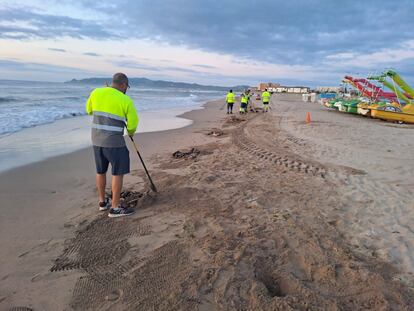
x: 230, y: 99
x: 265, y: 100
x: 243, y: 102
x: 248, y: 99
x: 112, y: 111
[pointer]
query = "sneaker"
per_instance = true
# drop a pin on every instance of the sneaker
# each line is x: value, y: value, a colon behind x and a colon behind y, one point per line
x: 120, y: 211
x: 103, y: 206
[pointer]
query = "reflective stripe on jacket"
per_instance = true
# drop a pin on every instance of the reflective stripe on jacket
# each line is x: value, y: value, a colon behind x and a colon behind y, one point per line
x: 112, y: 110
x: 244, y: 99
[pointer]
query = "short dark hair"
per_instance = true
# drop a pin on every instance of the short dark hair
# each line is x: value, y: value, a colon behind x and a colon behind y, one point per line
x: 120, y: 78
x: 231, y: 91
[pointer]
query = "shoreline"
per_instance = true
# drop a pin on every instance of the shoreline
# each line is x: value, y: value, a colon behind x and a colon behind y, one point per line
x: 65, y: 136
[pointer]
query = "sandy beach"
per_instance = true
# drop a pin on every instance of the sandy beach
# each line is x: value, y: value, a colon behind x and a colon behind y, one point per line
x: 274, y: 214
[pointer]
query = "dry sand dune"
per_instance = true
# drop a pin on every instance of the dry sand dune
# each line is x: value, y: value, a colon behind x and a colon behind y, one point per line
x: 254, y: 219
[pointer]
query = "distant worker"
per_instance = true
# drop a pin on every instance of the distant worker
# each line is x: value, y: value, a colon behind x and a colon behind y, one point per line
x: 249, y: 95
x: 112, y: 110
x: 251, y: 103
x: 246, y: 93
x: 265, y: 100
x: 243, y: 103
x: 230, y: 99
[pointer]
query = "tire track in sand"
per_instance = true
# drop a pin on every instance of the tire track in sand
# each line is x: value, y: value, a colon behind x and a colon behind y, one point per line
x: 375, y: 215
x: 241, y: 140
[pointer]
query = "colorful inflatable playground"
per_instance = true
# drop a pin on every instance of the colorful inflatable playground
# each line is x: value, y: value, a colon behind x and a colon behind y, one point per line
x: 367, y: 97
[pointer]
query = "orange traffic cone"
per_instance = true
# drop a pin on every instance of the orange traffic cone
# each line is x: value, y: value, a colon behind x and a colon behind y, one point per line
x: 308, y: 118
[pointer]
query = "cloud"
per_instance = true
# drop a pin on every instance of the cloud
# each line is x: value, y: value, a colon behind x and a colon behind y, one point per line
x: 132, y: 64
x: 91, y: 54
x: 314, y: 40
x: 23, y: 24
x: 135, y: 65
x: 276, y: 31
x: 384, y: 57
x: 180, y: 69
x: 204, y: 66
x: 28, y: 66
x: 341, y: 56
x: 12, y: 70
x: 57, y: 50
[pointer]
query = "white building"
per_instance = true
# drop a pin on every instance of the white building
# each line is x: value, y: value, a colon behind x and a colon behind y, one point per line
x: 290, y: 89
x: 328, y: 89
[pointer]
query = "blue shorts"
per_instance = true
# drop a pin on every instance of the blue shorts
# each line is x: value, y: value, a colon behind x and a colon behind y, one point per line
x: 118, y: 157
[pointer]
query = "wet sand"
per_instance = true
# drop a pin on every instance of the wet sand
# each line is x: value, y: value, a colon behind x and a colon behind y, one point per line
x: 271, y: 215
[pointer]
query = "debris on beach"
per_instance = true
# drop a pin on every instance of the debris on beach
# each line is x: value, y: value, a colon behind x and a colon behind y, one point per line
x: 192, y: 154
x: 234, y: 119
x: 256, y: 109
x: 215, y: 132
x: 130, y: 198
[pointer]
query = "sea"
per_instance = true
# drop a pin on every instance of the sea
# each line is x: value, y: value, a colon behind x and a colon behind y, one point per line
x: 45, y: 119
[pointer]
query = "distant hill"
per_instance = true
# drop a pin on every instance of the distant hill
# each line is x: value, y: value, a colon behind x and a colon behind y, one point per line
x: 158, y: 83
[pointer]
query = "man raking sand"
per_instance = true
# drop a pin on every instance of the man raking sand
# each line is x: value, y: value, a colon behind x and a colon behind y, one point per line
x: 112, y: 110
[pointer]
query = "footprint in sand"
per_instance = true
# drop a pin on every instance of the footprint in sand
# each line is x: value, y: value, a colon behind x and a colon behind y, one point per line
x: 115, y: 295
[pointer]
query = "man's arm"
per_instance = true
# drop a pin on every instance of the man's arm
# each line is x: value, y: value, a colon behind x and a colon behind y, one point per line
x: 132, y: 118
x: 89, y: 104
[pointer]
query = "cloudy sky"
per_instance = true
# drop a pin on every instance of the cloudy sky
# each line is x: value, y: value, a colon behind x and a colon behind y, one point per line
x: 221, y: 42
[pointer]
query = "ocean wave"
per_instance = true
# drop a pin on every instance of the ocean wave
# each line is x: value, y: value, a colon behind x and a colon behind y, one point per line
x: 9, y: 99
x: 9, y: 127
x: 34, y: 104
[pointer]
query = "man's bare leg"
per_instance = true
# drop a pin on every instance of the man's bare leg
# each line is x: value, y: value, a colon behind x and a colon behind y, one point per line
x: 116, y: 189
x: 100, y: 185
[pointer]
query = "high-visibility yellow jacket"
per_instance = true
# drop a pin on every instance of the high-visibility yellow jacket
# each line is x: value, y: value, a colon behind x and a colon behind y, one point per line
x: 112, y: 110
x: 230, y: 98
x: 265, y: 96
x: 244, y: 99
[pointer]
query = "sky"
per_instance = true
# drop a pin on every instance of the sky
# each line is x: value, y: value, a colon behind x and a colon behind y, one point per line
x: 218, y: 42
